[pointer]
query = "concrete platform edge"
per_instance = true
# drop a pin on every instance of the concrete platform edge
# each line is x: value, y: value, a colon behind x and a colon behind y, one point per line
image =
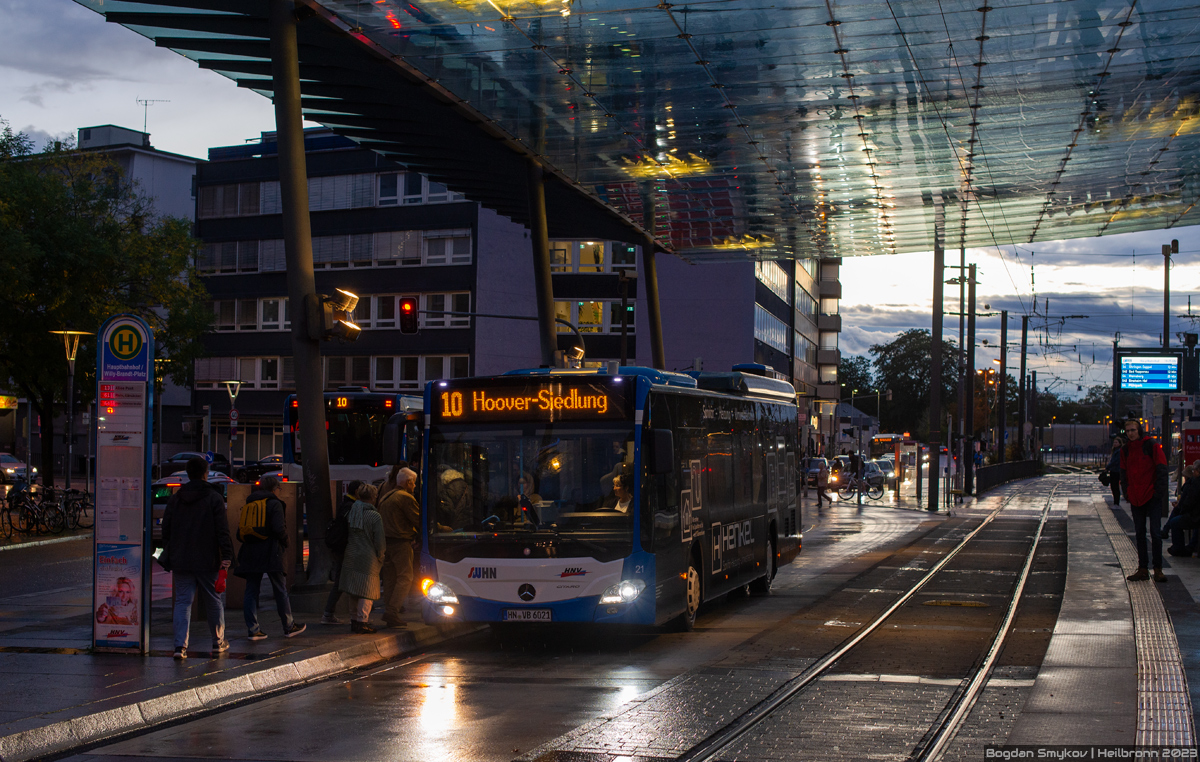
x: 68, y: 735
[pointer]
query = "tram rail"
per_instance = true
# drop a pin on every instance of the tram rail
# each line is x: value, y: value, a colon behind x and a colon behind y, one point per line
x: 936, y: 742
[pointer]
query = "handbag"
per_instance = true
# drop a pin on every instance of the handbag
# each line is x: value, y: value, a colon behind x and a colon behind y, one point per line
x: 1105, y: 477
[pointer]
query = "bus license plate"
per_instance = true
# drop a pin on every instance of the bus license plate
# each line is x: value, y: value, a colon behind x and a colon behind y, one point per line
x: 527, y: 615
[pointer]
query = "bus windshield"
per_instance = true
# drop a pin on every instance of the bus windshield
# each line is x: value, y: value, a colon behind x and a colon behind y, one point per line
x: 355, y: 437
x: 508, y: 487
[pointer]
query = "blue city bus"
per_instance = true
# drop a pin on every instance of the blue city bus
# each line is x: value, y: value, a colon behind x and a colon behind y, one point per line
x: 355, y: 420
x: 579, y: 496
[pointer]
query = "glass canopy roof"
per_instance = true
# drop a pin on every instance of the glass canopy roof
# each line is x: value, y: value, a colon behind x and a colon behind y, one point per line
x: 734, y: 129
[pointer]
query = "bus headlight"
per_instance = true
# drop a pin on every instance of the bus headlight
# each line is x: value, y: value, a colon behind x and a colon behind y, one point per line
x: 625, y: 591
x: 439, y: 594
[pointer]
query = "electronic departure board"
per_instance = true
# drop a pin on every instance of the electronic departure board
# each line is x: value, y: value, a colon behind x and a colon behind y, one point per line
x: 1149, y: 373
x: 547, y: 399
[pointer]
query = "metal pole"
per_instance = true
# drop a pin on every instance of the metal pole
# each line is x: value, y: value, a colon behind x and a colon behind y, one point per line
x: 623, y: 285
x: 962, y: 363
x: 87, y: 478
x: 297, y: 235
x: 70, y: 417
x: 935, y: 372
x: 1022, y: 407
x: 969, y: 460
x: 1116, y: 381
x: 1166, y: 343
x: 1033, y: 412
x: 1003, y: 387
x: 658, y: 353
x: 543, y: 283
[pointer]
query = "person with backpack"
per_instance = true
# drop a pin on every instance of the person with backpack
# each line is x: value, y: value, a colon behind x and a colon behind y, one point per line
x: 1144, y: 482
x: 262, y: 531
x: 401, y: 517
x: 364, y: 558
x: 196, y: 547
x: 336, y: 535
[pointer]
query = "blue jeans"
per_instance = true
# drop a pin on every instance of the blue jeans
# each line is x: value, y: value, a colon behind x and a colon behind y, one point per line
x: 1150, y: 512
x: 282, y: 604
x: 186, y: 584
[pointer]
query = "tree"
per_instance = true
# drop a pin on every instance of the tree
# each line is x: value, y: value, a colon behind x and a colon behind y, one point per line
x: 855, y: 373
x: 903, y: 367
x: 79, y: 243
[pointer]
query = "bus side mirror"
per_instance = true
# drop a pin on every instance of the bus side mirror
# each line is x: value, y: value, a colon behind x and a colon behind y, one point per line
x: 393, y: 435
x: 661, y: 452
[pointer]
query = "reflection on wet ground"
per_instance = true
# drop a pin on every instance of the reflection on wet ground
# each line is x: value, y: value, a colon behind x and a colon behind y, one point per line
x: 497, y: 696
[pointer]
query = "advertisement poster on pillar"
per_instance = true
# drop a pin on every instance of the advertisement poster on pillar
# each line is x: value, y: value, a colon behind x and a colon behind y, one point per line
x: 118, y: 594
x: 1191, y: 442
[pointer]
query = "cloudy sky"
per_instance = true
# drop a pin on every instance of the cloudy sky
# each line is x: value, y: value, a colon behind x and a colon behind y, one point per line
x: 62, y: 67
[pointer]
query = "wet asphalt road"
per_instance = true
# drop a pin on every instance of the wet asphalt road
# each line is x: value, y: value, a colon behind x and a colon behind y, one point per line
x: 47, y: 568
x: 493, y: 697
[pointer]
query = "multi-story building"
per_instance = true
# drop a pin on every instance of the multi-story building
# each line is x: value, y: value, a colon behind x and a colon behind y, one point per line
x: 381, y: 233
x: 781, y: 314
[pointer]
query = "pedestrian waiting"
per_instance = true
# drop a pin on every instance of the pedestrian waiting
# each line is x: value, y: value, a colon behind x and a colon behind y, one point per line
x: 336, y: 537
x: 363, y: 562
x: 401, y: 516
x: 262, y: 531
x: 196, y: 547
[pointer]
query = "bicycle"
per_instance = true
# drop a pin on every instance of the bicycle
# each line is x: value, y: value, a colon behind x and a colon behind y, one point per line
x: 854, y: 484
x: 79, y: 509
x: 51, y: 515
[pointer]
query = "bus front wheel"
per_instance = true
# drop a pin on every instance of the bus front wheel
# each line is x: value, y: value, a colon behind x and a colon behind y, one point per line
x: 686, y: 621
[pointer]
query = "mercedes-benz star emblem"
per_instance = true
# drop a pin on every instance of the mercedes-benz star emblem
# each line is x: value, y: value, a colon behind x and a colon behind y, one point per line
x: 526, y: 592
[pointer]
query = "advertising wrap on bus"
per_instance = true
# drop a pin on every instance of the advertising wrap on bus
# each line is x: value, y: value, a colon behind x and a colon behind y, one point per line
x: 588, y: 497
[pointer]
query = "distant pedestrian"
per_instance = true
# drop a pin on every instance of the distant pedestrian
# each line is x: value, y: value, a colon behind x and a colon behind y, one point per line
x: 1144, y: 481
x: 1114, y: 468
x: 263, y: 534
x: 1186, y: 516
x: 364, y: 558
x: 401, y: 516
x: 196, y: 542
x: 822, y: 485
x: 337, y: 549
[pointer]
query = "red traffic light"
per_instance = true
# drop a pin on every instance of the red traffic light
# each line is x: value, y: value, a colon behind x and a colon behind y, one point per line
x: 408, y: 315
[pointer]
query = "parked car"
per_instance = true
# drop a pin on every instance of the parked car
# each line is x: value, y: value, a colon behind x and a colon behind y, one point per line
x: 11, y: 468
x: 178, y: 462
x: 253, y: 471
x: 162, y: 489
x: 887, y: 467
x: 280, y: 475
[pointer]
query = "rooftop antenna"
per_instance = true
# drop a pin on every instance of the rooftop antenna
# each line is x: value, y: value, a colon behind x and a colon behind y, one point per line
x: 146, y: 104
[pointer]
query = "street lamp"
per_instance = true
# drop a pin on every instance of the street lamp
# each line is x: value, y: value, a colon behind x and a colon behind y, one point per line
x: 71, y: 345
x: 233, y: 387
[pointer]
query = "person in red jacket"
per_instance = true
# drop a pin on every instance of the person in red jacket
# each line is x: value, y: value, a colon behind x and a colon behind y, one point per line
x: 1144, y: 481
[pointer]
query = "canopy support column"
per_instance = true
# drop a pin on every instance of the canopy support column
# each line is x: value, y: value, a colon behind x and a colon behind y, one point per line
x: 543, y: 283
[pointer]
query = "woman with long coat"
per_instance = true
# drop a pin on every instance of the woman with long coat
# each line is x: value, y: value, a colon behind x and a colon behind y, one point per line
x: 364, y: 558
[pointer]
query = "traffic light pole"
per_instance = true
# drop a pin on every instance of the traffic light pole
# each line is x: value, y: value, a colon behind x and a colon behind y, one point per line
x: 297, y: 236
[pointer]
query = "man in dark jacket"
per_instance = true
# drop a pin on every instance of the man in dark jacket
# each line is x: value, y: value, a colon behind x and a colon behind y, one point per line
x: 263, y: 534
x: 1144, y: 482
x: 401, y: 516
x: 196, y: 542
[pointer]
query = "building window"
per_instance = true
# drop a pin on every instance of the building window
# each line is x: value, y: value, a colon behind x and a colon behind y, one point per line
x: 253, y: 372
x: 447, y: 247
x: 340, y: 192
x: 591, y: 256
x: 829, y: 306
x: 232, y: 200
x: 434, y: 307
x: 250, y: 315
x: 809, y: 265
x: 270, y: 315
x: 409, y: 374
x: 347, y: 371
x: 770, y: 330
x: 806, y: 350
x: 827, y: 374
x: 774, y: 278
x: 806, y: 305
x: 592, y: 316
x: 829, y: 340
x: 407, y: 248
x: 389, y: 188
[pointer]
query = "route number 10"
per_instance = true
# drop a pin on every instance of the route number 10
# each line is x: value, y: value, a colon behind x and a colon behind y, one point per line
x: 452, y: 404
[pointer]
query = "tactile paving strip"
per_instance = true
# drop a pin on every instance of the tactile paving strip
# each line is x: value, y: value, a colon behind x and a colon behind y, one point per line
x: 1164, y: 707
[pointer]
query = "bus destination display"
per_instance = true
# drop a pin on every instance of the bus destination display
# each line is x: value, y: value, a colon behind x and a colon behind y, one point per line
x: 550, y: 401
x: 1150, y: 373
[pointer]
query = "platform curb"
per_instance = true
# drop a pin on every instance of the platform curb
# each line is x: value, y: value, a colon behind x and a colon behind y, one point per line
x: 69, y: 735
